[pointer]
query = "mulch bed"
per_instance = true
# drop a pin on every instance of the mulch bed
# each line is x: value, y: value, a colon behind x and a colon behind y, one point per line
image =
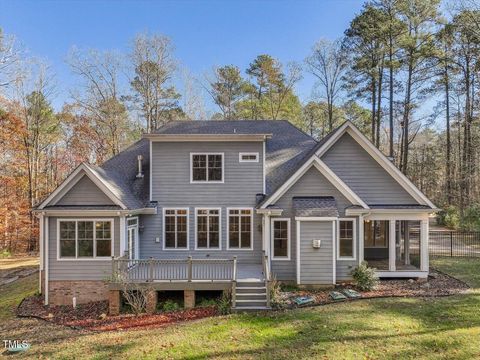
x: 92, y: 316
x: 438, y: 284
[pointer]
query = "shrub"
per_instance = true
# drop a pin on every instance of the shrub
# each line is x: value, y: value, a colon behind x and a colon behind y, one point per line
x: 365, y: 277
x: 224, y: 305
x: 5, y: 254
x: 449, y: 217
x: 170, y: 305
x: 207, y: 302
x: 275, y: 294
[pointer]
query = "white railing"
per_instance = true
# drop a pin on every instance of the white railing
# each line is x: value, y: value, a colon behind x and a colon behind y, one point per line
x: 189, y: 269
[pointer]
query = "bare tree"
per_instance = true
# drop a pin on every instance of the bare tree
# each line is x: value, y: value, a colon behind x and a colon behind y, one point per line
x: 154, y: 66
x: 193, y: 100
x: 328, y: 64
x: 100, y: 97
x: 10, y: 59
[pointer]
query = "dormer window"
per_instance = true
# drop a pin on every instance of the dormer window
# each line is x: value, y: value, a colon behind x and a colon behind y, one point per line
x: 206, y: 167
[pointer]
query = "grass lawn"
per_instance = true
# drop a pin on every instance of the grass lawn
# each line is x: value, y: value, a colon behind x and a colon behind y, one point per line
x: 11, y: 295
x: 467, y: 270
x: 399, y: 328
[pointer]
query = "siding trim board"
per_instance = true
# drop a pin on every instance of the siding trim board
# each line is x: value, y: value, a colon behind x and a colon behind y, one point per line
x: 379, y: 157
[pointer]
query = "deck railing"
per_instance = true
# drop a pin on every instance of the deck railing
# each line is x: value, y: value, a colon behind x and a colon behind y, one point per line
x: 189, y: 269
x: 266, y: 274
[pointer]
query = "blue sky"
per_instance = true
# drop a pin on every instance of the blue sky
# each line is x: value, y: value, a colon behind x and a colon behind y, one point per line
x: 205, y: 33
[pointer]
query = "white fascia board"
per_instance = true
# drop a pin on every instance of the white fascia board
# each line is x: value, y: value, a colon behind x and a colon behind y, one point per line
x: 325, y: 171
x: 378, y: 156
x: 72, y: 179
x: 274, y: 212
x: 92, y: 212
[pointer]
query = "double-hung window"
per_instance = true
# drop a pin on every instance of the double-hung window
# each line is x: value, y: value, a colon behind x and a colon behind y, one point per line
x: 84, y: 239
x: 176, y: 228
x: 208, y: 228
x: 346, y: 239
x: 281, y: 239
x: 240, y: 226
x: 206, y: 167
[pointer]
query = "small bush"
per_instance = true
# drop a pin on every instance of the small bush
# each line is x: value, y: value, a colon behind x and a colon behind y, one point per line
x: 224, y: 305
x: 4, y: 254
x: 275, y: 294
x: 207, y: 302
x: 170, y: 305
x: 365, y: 277
x: 450, y: 217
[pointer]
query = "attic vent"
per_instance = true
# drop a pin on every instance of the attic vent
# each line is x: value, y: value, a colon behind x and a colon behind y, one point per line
x: 140, y: 173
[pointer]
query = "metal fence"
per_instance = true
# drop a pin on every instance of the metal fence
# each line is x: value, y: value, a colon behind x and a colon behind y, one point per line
x: 454, y: 243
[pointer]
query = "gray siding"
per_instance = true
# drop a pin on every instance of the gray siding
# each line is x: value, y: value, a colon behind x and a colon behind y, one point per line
x: 81, y: 269
x: 312, y: 183
x: 363, y: 174
x: 316, y: 265
x: 85, y: 192
x: 171, y: 187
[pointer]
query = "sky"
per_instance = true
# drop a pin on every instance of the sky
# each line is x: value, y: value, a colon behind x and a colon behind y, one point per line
x: 204, y: 33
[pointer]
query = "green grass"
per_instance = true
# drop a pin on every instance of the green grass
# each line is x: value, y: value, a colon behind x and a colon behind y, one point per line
x: 396, y: 328
x: 11, y: 295
x: 467, y: 270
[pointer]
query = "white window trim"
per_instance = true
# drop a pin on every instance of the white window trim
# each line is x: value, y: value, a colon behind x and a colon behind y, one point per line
x: 164, y: 248
x: 207, y: 181
x: 94, y: 257
x: 354, y: 235
x: 272, y: 232
x: 240, y: 155
x: 219, y: 229
x: 251, y: 229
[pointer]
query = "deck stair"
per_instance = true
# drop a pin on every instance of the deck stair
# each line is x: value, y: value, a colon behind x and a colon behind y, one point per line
x: 251, y: 296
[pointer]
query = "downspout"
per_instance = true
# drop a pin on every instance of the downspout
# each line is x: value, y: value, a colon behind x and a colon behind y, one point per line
x: 46, y: 259
x: 41, y: 240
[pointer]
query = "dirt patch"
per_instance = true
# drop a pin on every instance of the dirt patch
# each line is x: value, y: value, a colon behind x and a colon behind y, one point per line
x: 438, y: 284
x: 92, y: 316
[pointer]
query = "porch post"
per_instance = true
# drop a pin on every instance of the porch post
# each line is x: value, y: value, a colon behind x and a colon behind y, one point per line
x: 361, y: 239
x: 391, y: 246
x: 424, y: 258
x: 123, y: 229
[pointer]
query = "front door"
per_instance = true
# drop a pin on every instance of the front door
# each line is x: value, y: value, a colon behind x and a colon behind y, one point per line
x: 132, y: 235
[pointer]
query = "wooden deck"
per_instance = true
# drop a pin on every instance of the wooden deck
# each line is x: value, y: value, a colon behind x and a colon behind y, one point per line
x: 183, y: 274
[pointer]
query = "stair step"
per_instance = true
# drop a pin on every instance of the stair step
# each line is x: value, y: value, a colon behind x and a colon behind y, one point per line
x: 251, y: 294
x: 251, y: 302
x: 251, y: 308
x: 251, y: 288
x: 250, y: 283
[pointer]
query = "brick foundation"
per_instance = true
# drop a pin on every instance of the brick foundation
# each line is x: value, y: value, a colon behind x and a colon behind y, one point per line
x: 152, y: 298
x: 114, y: 300
x: 189, y: 299
x: 61, y: 292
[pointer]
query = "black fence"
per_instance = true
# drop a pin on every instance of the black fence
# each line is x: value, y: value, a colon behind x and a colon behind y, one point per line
x: 454, y: 243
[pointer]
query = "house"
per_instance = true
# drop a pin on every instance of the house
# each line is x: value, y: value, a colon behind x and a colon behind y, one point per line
x: 230, y: 205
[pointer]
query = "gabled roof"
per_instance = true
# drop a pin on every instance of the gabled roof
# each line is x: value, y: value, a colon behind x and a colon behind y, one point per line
x: 100, y: 181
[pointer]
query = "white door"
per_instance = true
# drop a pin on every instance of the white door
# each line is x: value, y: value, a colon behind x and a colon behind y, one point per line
x: 132, y: 238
